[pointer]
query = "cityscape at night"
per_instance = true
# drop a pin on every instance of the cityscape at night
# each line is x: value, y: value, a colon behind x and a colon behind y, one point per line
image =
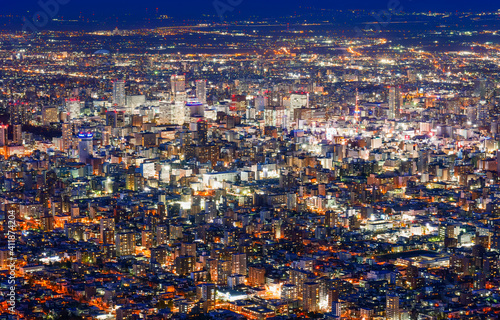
x: 237, y: 159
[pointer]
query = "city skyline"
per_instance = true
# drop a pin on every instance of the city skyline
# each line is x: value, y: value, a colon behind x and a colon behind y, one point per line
x: 255, y: 160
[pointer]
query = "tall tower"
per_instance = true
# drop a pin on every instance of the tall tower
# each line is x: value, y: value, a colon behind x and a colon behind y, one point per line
x: 85, y: 146
x: 119, y: 93
x: 394, y: 102
x: 201, y: 90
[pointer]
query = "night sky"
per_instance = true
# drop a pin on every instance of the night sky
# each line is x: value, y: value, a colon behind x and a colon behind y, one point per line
x: 194, y: 9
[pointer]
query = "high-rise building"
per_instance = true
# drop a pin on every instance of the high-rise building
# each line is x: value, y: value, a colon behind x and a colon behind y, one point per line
x: 165, y: 109
x: 274, y: 116
x: 111, y: 118
x: 331, y: 218
x: 178, y: 84
x: 298, y: 278
x: 394, y: 102
x: 67, y: 135
x: 4, y: 258
x: 392, y: 307
x: 480, y: 86
x: 159, y: 255
x: 366, y: 313
x: 174, y: 231
x: 106, y: 224
x: 201, y: 91
x: 223, y: 270
x: 17, y: 113
x: 49, y: 115
x: 336, y: 308
x: 73, y: 107
x: 125, y: 244
x: 137, y: 121
x: 310, y: 298
x: 289, y: 292
x: 239, y: 263
x: 202, y: 130
x: 206, y: 292
x: 173, y: 113
x: 162, y: 234
x: 17, y: 134
x: 106, y: 135
x: 119, y: 93
x: 147, y: 238
x: 85, y: 147
x: 483, y: 112
x: 184, y: 265
x: 299, y: 100
x: 3, y: 135
x: 256, y: 276
x: 188, y: 249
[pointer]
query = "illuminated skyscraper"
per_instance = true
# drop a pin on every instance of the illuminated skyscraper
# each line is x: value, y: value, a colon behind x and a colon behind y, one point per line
x: 483, y: 112
x: 67, y: 135
x: 178, y: 84
x: 73, y: 108
x: 173, y: 113
x: 201, y: 90
x: 119, y: 93
x: 274, y: 116
x: 85, y: 146
x: 394, y: 102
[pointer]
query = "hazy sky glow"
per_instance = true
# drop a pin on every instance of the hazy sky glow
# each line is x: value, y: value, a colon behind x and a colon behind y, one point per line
x: 193, y: 9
